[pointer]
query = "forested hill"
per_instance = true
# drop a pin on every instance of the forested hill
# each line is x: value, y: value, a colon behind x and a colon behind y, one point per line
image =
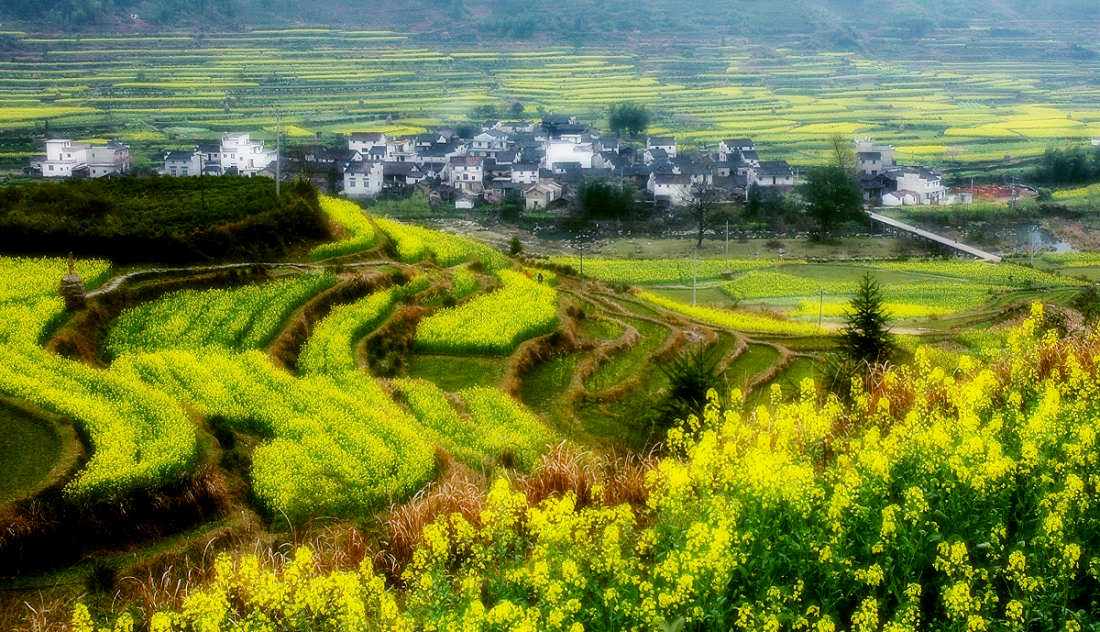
x: 536, y: 19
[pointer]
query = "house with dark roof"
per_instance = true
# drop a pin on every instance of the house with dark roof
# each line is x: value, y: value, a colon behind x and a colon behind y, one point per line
x: 774, y: 173
x: 674, y: 189
x: 664, y: 143
x: 364, y: 179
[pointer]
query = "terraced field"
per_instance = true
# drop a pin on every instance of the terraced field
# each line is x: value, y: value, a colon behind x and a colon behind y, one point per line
x: 345, y: 382
x: 159, y: 92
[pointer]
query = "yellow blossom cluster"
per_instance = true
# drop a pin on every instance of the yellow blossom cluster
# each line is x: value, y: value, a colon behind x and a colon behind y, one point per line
x: 962, y: 499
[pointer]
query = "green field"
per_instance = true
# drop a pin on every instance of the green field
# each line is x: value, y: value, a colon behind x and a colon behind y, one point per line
x: 251, y: 407
x: 159, y: 93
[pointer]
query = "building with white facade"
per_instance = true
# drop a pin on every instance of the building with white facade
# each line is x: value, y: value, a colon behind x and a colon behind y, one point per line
x: 66, y: 159
x: 364, y: 141
x: 466, y: 174
x: 564, y: 152
x: 874, y: 159
x: 248, y: 157
x: 364, y: 179
x: 664, y: 143
x: 913, y: 186
x: 676, y: 189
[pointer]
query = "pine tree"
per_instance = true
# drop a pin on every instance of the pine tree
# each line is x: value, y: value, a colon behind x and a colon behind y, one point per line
x: 866, y: 336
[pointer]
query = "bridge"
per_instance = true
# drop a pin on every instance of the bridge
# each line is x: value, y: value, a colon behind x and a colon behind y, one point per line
x: 933, y: 237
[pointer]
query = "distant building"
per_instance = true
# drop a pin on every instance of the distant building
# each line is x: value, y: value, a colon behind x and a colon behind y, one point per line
x: 913, y: 186
x: 525, y: 173
x: 1096, y: 142
x: 732, y: 147
x: 237, y: 154
x: 365, y: 141
x: 672, y: 188
x: 872, y: 159
x: 364, y: 179
x: 540, y: 196
x: 466, y: 174
x: 67, y: 159
x: 563, y: 152
x: 774, y: 173
x: 665, y: 143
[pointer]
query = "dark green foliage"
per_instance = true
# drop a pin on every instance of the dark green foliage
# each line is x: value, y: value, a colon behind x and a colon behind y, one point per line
x: 511, y: 208
x: 629, y: 118
x: 1072, y: 165
x: 601, y: 199
x: 1087, y: 302
x: 832, y: 197
x: 690, y: 375
x: 866, y: 335
x: 160, y: 219
x: 515, y: 246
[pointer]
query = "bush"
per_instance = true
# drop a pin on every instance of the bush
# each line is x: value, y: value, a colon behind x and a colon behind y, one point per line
x: 160, y: 219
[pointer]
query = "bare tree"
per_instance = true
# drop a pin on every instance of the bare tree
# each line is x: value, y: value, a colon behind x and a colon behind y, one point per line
x: 704, y: 202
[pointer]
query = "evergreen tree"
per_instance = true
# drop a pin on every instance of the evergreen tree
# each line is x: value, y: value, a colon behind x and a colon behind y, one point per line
x: 866, y: 336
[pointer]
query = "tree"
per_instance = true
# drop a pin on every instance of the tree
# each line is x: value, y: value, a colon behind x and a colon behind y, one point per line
x: 702, y: 207
x: 691, y: 374
x: 601, y: 199
x: 866, y: 336
x: 511, y: 207
x: 628, y: 117
x: 833, y: 197
x: 516, y: 109
x: 515, y: 247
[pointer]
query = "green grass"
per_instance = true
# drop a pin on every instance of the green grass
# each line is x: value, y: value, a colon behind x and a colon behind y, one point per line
x: 29, y: 449
x: 545, y: 386
x: 753, y: 361
x: 628, y: 362
x: 454, y: 373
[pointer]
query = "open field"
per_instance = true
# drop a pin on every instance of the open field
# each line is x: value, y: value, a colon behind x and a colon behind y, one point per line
x: 352, y: 381
x: 167, y: 92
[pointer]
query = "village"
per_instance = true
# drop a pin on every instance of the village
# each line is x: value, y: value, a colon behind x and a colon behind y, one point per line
x: 540, y: 165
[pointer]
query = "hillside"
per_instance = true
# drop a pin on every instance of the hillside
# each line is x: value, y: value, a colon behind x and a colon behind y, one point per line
x: 466, y: 19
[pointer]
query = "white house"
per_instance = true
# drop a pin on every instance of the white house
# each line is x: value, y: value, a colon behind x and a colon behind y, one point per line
x: 773, y: 173
x: 364, y: 179
x: 247, y: 156
x: 874, y: 159
x: 665, y: 143
x: 182, y: 164
x: 525, y: 173
x: 364, y: 141
x: 914, y: 186
x: 400, y: 149
x: 1096, y: 142
x: 488, y: 143
x: 731, y: 147
x: 674, y: 188
x: 561, y: 152
x: 541, y: 195
x: 514, y: 127
x: 65, y: 159
x: 466, y: 174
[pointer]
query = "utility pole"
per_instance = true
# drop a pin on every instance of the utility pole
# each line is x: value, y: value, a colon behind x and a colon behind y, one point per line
x: 278, y: 153
x: 728, y: 245
x: 694, y: 277
x: 820, y: 305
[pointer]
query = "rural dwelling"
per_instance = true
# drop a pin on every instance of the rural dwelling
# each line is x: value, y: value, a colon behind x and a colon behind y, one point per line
x: 66, y: 159
x: 774, y: 173
x: 464, y: 201
x: 243, y: 155
x: 182, y: 164
x: 561, y: 152
x: 1096, y: 142
x: 488, y: 143
x: 540, y: 196
x: 665, y: 143
x: 913, y: 186
x: 732, y: 147
x: 364, y: 141
x: 466, y: 174
x: 672, y: 188
x: 364, y: 179
x: 525, y: 173
x: 401, y: 174
x: 400, y: 150
x: 514, y: 127
x: 874, y: 159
